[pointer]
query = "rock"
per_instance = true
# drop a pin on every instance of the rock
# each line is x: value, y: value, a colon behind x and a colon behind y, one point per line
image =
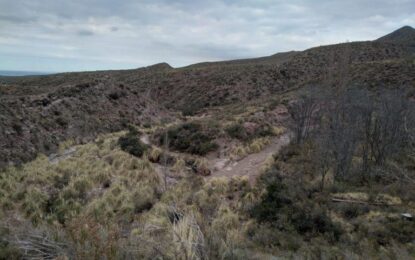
x: 250, y: 127
x: 407, y: 216
x: 199, y: 169
x: 220, y: 164
x: 281, y: 110
x: 203, y: 171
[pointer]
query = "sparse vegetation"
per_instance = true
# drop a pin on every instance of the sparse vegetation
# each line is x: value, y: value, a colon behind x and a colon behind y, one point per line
x: 193, y: 138
x: 237, y: 131
x: 179, y: 184
x: 132, y: 144
x: 249, y: 132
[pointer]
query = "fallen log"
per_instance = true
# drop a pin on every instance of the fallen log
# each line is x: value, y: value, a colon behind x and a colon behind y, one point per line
x: 359, y: 202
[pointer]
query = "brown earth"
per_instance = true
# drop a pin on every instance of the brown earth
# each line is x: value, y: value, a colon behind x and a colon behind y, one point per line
x: 250, y: 165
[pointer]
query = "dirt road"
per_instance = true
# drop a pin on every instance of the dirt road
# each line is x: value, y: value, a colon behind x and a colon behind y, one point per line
x: 250, y: 165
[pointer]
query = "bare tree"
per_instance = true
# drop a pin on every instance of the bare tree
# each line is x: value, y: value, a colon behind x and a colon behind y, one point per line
x: 409, y: 127
x: 357, y: 122
x: 304, y: 115
x: 165, y: 168
x: 340, y: 128
x: 388, y: 133
x: 385, y: 132
x: 366, y: 113
x: 323, y: 158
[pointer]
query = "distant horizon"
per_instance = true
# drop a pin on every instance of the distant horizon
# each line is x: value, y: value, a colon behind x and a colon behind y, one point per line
x: 25, y: 72
x: 34, y: 72
x: 17, y: 73
x: 90, y: 35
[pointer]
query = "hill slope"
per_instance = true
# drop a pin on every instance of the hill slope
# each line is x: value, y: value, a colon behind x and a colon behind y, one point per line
x: 404, y: 35
x: 38, y: 112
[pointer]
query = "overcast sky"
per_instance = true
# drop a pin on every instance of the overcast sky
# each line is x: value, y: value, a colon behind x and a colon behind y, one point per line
x: 74, y: 35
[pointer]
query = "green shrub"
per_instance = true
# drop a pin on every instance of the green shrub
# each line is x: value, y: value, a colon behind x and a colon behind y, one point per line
x: 63, y: 122
x: 191, y: 109
x: 132, y: 144
x: 273, y: 104
x: 315, y: 222
x: 392, y: 229
x: 117, y: 94
x: 351, y: 210
x: 17, y: 128
x: 289, y: 210
x: 7, y: 249
x: 264, y: 130
x: 189, y: 138
x: 269, y: 208
x: 237, y: 131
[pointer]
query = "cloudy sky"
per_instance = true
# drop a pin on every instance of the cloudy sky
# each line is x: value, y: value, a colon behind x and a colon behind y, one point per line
x: 73, y: 35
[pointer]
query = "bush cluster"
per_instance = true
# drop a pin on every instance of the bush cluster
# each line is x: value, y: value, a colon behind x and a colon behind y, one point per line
x: 238, y: 131
x: 191, y: 109
x: 132, y: 144
x: 191, y: 138
x: 288, y: 210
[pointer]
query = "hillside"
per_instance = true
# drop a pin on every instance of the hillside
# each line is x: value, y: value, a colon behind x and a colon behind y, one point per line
x: 366, y: 64
x: 298, y: 155
x: 52, y: 108
x: 404, y: 35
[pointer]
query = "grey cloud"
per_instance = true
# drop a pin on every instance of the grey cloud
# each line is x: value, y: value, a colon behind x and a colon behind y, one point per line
x: 16, y: 19
x: 85, y: 33
x: 133, y: 33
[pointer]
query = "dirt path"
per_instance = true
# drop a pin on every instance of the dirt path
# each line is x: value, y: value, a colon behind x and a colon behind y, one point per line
x: 57, y: 157
x: 145, y: 139
x: 250, y: 165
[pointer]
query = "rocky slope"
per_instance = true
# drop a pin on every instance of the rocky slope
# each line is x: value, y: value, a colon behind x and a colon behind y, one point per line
x: 38, y: 112
x: 405, y: 35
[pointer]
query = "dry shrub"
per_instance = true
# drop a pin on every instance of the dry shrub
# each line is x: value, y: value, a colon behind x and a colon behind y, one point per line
x: 179, y: 167
x: 217, y: 185
x: 155, y: 155
x: 269, y: 162
x: 226, y: 236
x: 238, y: 152
x: 258, y: 144
x: 34, y: 204
x: 206, y: 203
x: 66, y: 144
x: 188, y: 239
x: 93, y: 240
x: 143, y: 198
x: 238, y: 183
x: 387, y: 199
x: 255, y: 146
x: 21, y: 240
x: 152, y: 237
x: 279, y: 130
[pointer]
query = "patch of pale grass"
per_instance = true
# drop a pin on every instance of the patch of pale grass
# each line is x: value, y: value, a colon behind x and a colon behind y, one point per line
x: 278, y: 130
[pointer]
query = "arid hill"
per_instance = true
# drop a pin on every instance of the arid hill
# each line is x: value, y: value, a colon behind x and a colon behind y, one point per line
x: 405, y: 35
x: 38, y: 112
x: 299, y: 155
